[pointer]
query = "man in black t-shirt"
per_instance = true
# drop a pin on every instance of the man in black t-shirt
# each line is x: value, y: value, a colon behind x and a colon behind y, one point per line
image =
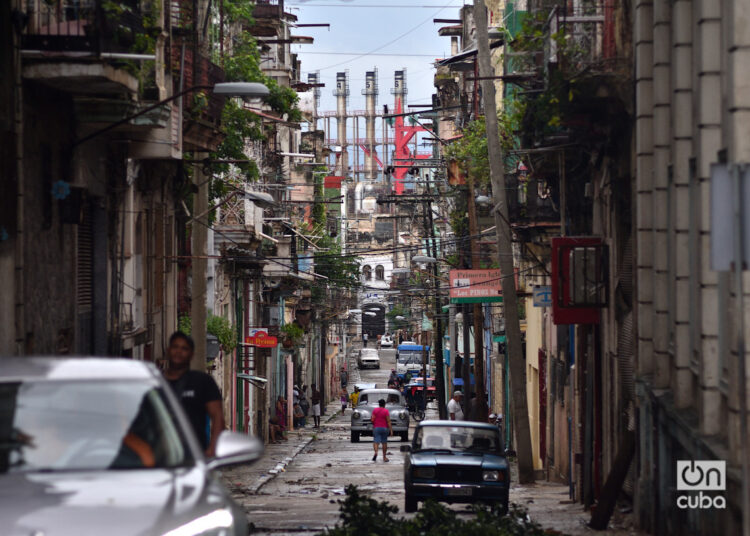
x: 198, y: 392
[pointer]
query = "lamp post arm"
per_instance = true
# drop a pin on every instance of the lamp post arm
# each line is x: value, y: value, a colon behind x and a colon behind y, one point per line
x: 138, y: 114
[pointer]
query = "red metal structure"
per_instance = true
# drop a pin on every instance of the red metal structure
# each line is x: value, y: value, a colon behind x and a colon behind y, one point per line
x: 403, y: 157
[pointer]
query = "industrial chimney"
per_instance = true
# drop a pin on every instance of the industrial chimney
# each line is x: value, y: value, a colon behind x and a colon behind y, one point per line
x: 312, y: 79
x: 371, y: 97
x: 342, y: 93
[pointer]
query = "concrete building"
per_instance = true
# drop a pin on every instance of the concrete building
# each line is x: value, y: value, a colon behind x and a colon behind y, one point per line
x: 691, y: 112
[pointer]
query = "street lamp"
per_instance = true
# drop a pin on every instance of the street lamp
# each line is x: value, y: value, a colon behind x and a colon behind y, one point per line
x: 399, y: 317
x: 424, y: 258
x: 225, y: 89
x: 369, y: 313
x: 483, y: 200
x: 354, y: 311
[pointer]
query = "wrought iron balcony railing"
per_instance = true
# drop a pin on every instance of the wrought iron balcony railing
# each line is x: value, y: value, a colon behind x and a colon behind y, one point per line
x: 91, y: 26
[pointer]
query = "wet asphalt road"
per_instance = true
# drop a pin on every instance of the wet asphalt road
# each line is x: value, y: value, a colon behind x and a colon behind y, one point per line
x: 303, y: 499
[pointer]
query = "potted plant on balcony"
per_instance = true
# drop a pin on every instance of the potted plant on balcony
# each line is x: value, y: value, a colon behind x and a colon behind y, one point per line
x: 291, y: 335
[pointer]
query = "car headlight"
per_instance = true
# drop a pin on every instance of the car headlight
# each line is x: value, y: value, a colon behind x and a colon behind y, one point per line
x: 424, y: 472
x: 403, y: 414
x: 356, y: 415
x: 492, y: 476
x: 213, y: 523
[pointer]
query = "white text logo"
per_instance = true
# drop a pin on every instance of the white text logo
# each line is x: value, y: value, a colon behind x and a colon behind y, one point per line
x: 700, y: 476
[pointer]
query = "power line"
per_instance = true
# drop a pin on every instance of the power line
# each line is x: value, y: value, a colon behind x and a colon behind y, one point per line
x: 369, y: 54
x: 388, y: 43
x: 380, y: 6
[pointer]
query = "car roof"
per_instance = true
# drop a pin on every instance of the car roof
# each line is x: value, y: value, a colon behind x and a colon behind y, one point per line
x: 465, y: 424
x: 74, y: 368
x: 385, y: 391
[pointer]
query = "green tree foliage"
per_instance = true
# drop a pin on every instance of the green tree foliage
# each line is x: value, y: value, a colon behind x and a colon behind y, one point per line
x: 293, y: 331
x: 342, y: 271
x: 470, y: 151
x: 361, y: 515
x: 242, y: 64
x: 218, y: 326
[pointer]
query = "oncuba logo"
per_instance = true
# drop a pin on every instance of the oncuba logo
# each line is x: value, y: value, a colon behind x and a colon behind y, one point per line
x: 699, y: 476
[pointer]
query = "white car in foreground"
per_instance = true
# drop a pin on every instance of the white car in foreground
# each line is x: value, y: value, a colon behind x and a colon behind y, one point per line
x: 368, y: 358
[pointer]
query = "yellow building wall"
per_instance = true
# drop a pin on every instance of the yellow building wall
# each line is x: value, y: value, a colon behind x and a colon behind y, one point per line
x: 534, y: 321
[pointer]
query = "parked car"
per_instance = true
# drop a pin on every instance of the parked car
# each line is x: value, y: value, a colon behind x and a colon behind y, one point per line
x: 368, y: 401
x: 102, y: 446
x: 368, y: 358
x: 455, y: 461
x: 386, y: 341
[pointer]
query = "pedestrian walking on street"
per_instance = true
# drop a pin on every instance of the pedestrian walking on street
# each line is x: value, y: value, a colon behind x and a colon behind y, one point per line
x: 364, y: 339
x: 381, y: 429
x: 315, y: 399
x: 304, y: 403
x: 197, y: 391
x: 455, y: 411
x: 354, y: 397
x: 344, y: 401
x: 344, y: 378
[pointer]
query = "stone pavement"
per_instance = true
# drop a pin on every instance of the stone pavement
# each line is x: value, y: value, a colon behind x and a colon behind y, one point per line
x: 249, y: 479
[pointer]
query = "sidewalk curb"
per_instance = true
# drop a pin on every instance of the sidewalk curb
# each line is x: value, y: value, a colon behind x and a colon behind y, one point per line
x: 279, y: 468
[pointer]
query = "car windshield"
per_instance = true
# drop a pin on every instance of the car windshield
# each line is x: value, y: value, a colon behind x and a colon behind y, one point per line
x: 372, y: 398
x: 457, y: 439
x: 84, y: 425
x: 369, y: 353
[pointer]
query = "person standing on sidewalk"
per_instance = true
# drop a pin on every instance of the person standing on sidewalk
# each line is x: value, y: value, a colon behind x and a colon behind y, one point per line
x: 455, y: 411
x: 364, y: 339
x: 315, y: 399
x: 381, y: 429
x: 197, y: 391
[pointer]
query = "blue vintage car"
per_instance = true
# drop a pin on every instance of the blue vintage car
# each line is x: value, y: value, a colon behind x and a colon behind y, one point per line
x: 456, y: 462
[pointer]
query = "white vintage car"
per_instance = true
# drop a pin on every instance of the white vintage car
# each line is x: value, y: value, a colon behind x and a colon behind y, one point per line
x: 368, y: 358
x: 368, y: 401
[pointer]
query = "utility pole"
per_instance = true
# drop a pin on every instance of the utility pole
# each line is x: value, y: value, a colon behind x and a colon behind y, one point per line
x: 199, y: 265
x: 505, y: 251
x: 478, y: 316
x: 439, y: 365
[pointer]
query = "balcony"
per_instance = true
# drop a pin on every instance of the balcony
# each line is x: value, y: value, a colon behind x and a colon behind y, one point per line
x: 79, y: 45
x: 202, y: 109
x: 531, y: 201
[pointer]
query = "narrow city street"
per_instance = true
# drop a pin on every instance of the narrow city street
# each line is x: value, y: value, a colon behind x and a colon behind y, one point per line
x: 302, y: 496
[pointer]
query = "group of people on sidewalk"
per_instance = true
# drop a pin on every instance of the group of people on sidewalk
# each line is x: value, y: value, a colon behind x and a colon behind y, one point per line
x: 302, y: 408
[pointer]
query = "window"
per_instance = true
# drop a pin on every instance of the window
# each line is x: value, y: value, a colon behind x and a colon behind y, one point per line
x: 379, y: 273
x: 367, y: 272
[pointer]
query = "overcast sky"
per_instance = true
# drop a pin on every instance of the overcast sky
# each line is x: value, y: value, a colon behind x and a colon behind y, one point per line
x: 402, y: 29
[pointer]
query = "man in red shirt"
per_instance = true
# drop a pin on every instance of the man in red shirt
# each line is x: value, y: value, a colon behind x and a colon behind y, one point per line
x: 381, y: 429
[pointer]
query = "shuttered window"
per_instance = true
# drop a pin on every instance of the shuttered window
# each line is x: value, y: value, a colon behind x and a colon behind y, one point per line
x: 85, y: 262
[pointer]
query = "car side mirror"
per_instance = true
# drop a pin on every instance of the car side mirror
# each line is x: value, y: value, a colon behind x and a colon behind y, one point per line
x: 405, y: 448
x: 234, y: 449
x: 509, y: 452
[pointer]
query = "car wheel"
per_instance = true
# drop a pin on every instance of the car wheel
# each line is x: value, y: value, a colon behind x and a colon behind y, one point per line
x: 410, y: 504
x: 404, y: 436
x: 355, y: 437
